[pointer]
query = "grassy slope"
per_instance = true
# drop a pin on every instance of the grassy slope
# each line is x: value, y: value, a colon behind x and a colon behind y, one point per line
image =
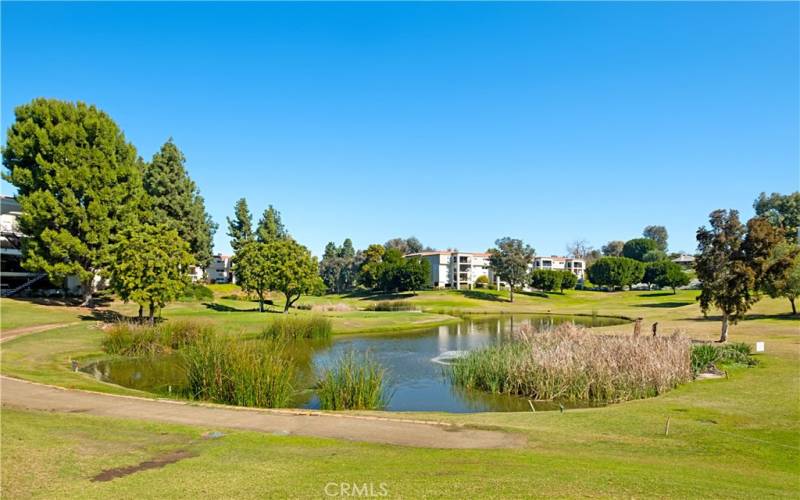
x: 734, y: 437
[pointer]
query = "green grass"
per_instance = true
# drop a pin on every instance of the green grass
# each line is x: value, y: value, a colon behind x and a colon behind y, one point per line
x: 732, y: 437
x: 243, y: 373
x: 298, y: 327
x: 16, y: 313
x: 355, y: 382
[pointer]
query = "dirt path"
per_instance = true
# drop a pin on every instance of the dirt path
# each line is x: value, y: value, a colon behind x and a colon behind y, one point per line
x: 17, y: 332
x: 28, y: 395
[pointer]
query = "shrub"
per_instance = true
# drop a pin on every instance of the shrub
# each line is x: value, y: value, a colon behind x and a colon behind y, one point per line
x: 354, y: 383
x: 391, y: 305
x: 638, y: 247
x: 707, y: 356
x: 198, y: 292
x: 298, y: 327
x: 616, y: 271
x: 224, y: 370
x: 568, y: 280
x: 482, y: 281
x: 568, y: 363
x: 132, y: 339
x: 546, y: 280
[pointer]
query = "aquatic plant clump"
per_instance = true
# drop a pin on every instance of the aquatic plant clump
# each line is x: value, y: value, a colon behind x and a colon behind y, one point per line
x: 298, y: 327
x: 133, y: 339
x: 709, y: 356
x: 569, y: 363
x: 355, y: 382
x: 391, y: 305
x: 224, y: 370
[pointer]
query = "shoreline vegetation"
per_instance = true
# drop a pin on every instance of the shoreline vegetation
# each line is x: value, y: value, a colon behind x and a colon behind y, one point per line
x: 569, y: 363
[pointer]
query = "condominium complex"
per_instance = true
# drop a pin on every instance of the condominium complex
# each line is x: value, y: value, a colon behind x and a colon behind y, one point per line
x: 459, y: 270
x: 454, y: 269
x: 577, y: 266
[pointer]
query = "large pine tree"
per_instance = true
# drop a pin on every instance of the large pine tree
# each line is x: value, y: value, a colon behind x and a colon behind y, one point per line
x: 270, y: 227
x: 176, y: 201
x: 78, y: 182
x: 240, y: 228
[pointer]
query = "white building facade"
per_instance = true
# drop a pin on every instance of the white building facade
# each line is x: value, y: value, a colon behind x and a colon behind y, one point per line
x: 555, y: 263
x: 220, y: 270
x: 454, y: 269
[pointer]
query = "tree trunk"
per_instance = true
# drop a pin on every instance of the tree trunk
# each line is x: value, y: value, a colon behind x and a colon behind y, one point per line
x: 87, y: 288
x: 674, y: 292
x: 724, y: 335
x: 511, y: 290
x: 141, y: 313
x: 794, y: 308
x: 152, y: 314
x: 289, y: 302
x: 260, y: 302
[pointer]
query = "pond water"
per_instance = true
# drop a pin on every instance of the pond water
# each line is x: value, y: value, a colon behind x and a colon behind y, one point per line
x: 416, y: 362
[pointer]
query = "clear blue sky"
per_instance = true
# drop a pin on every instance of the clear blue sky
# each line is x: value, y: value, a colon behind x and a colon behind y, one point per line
x: 456, y: 123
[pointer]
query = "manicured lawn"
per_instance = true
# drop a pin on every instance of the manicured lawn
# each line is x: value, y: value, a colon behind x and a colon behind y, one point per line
x: 23, y: 313
x: 734, y: 437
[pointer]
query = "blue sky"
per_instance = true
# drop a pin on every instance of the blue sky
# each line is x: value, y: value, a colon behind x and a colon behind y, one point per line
x: 456, y: 123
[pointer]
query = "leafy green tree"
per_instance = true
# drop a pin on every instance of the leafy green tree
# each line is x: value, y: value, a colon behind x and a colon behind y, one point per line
x: 546, y: 280
x: 658, y: 234
x: 638, y: 247
x: 347, y: 251
x: 339, y: 266
x: 252, y: 270
x: 782, y: 211
x: 150, y: 266
x: 616, y: 272
x: 405, y: 245
x: 665, y: 273
x: 240, y: 229
x: 270, y: 226
x: 390, y: 270
x: 79, y: 184
x: 175, y: 200
x: 654, y: 256
x: 613, y: 248
x: 291, y: 270
x: 568, y: 280
x: 787, y: 286
x: 415, y: 274
x: 734, y: 261
x: 510, y: 261
x: 369, y: 270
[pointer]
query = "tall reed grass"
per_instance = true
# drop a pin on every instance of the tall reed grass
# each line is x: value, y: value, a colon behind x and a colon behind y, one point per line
x: 254, y: 373
x: 133, y: 339
x: 298, y: 327
x: 568, y: 363
x: 391, y: 305
x: 355, y: 382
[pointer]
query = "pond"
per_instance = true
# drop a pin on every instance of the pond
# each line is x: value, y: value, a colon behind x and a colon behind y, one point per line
x: 416, y: 362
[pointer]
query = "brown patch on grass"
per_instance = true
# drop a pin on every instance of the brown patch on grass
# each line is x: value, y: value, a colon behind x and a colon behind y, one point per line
x: 155, y: 463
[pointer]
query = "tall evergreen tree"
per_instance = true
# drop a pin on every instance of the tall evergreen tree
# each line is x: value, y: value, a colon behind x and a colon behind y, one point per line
x: 240, y: 229
x: 270, y: 227
x: 78, y: 182
x: 176, y: 201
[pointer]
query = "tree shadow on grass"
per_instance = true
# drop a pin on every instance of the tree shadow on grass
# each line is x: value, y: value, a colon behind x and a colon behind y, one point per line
x: 223, y: 308
x: 665, y: 305
x: 749, y: 317
x: 657, y: 294
x: 372, y: 295
x: 541, y: 295
x: 483, y: 295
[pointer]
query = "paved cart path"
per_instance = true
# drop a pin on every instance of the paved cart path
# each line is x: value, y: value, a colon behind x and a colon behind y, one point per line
x: 29, y: 395
x: 18, y: 332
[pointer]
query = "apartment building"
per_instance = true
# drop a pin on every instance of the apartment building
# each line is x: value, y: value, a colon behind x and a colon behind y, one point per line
x: 220, y: 270
x: 556, y: 263
x: 454, y: 269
